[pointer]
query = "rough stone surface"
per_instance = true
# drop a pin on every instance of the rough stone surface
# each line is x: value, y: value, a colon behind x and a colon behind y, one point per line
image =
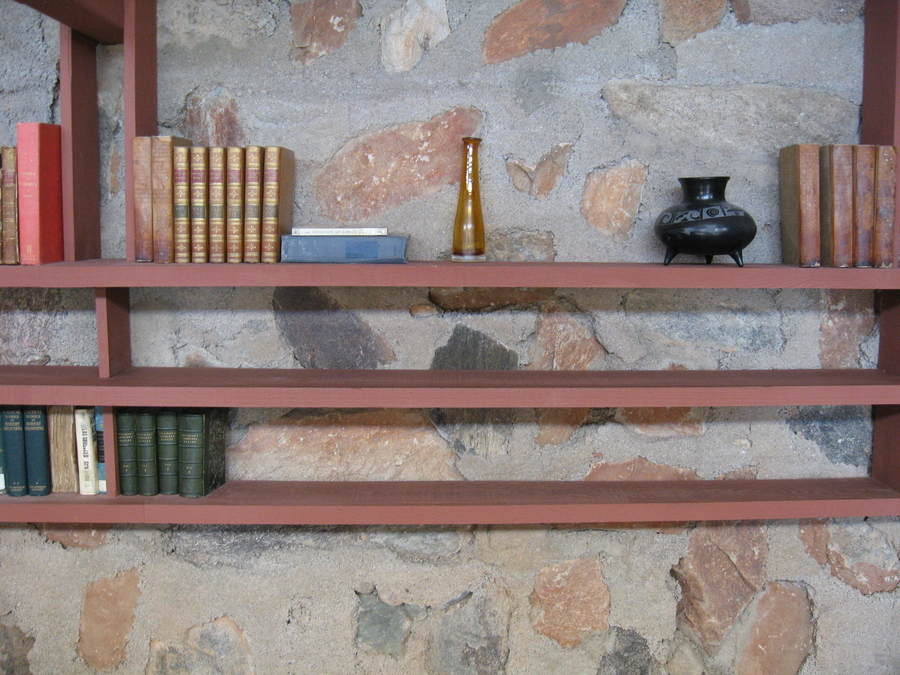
x: 76, y: 535
x: 848, y: 320
x: 563, y: 342
x: 107, y: 616
x: 683, y: 19
x: 324, y: 335
x: 570, y: 601
x: 219, y: 647
x: 556, y: 425
x: 321, y: 27
x: 780, y: 634
x: 767, y: 12
x: 722, y: 571
x: 386, y: 168
x: 469, y: 349
x: 383, y: 445
x: 547, y: 24
x: 843, y: 433
x: 612, y: 197
x: 381, y: 627
x: 630, y: 655
x: 856, y: 553
x: 473, y: 633
x: 541, y: 179
x: 663, y: 422
x: 638, y: 469
x: 480, y: 299
x: 14, y: 648
x: 520, y: 246
x: 412, y: 30
x: 211, y: 118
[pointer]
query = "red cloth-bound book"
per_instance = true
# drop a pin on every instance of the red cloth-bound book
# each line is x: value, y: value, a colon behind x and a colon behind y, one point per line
x: 40, y: 193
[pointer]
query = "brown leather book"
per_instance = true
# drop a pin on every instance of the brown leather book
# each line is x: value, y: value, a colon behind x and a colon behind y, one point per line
x: 10, y: 207
x: 217, y: 217
x: 836, y: 185
x: 885, y: 206
x: 863, y: 205
x: 234, y: 205
x: 142, y: 162
x: 162, y: 149
x: 798, y: 177
x: 181, y: 181
x: 278, y: 200
x: 199, y: 204
x: 253, y: 193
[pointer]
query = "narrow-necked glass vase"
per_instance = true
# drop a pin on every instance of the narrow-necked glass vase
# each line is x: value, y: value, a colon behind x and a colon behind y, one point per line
x: 468, y: 229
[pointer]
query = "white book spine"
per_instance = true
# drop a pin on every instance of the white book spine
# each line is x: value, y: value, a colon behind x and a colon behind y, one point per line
x: 85, y: 436
x: 338, y: 231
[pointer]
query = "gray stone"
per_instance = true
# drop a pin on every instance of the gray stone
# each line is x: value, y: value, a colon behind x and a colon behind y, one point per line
x: 425, y: 543
x: 843, y: 433
x: 14, y: 648
x: 219, y: 647
x: 324, y: 335
x: 469, y: 349
x: 768, y: 12
x: 381, y: 627
x: 473, y: 637
x: 630, y: 655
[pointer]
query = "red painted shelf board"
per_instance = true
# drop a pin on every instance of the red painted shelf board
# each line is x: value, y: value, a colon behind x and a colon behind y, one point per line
x: 114, y: 273
x: 258, y: 388
x: 473, y: 502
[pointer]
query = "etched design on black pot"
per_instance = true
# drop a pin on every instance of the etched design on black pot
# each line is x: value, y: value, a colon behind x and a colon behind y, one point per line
x: 704, y: 223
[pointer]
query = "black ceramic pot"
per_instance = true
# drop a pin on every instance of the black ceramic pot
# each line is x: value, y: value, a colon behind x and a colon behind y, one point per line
x: 704, y: 223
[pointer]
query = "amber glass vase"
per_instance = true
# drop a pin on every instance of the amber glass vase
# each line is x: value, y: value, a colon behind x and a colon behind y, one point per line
x: 468, y: 229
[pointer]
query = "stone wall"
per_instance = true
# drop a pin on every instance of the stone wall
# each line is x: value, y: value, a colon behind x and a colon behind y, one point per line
x: 589, y: 113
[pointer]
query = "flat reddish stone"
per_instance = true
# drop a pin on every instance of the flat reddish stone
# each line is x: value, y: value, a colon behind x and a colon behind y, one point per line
x: 547, y: 24
x: 638, y: 469
x: 570, y: 601
x: 477, y: 299
x: 684, y: 19
x: 107, y: 616
x: 556, y: 425
x: 848, y: 320
x: 541, y: 179
x: 321, y: 27
x: 780, y: 635
x: 662, y: 422
x: 212, y: 118
x: 612, y: 197
x: 384, y: 169
x: 563, y: 343
x: 722, y: 571
x: 76, y: 535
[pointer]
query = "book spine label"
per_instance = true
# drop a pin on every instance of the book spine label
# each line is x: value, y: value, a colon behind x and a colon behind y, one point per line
x: 217, y: 204
x: 182, y: 203
x: 142, y: 160
x: 278, y: 192
x: 167, y: 451
x: 234, y: 196
x: 126, y: 451
x: 885, y: 206
x: 86, y: 438
x: 145, y: 444
x: 330, y: 249
x: 199, y: 204
x: 253, y: 158
x: 40, y: 193
x: 37, y: 450
x: 9, y: 211
x: 14, y: 447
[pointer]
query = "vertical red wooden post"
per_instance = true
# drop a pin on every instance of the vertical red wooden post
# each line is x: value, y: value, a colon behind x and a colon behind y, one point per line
x: 80, y: 145
x: 113, y: 313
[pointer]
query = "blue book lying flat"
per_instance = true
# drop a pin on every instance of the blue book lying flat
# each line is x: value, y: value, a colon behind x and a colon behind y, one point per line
x: 344, y: 249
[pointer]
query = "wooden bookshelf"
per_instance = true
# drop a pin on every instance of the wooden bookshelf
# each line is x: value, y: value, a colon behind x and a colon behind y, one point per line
x: 115, y: 382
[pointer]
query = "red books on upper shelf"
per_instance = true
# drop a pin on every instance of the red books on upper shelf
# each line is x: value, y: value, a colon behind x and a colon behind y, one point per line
x: 40, y: 193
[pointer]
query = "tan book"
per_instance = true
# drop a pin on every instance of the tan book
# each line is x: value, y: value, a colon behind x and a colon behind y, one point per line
x: 217, y: 204
x: 63, y: 448
x: 885, y: 206
x: 836, y: 191
x: 199, y: 204
x: 234, y: 206
x: 10, y: 206
x: 182, y: 203
x: 798, y: 178
x: 863, y: 205
x: 142, y: 162
x: 162, y: 149
x: 253, y: 194
x: 278, y: 200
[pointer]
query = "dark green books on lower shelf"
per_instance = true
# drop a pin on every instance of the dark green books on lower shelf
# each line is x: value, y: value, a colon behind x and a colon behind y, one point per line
x: 201, y: 451
x: 126, y: 451
x: 37, y: 450
x: 167, y: 451
x: 14, y: 446
x: 145, y: 445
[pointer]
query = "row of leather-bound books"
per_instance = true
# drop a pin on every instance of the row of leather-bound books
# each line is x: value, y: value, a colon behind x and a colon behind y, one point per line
x: 198, y: 204
x: 838, y: 205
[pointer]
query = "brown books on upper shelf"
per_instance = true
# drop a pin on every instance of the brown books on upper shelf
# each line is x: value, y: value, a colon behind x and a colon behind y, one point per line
x: 885, y: 205
x: 163, y: 189
x: 836, y: 185
x: 278, y: 200
x: 234, y: 206
x: 199, y: 204
x: 40, y: 192
x: 9, y: 210
x: 253, y: 194
x: 799, y: 193
x: 142, y: 162
x: 863, y: 205
x: 181, y: 196
x: 217, y: 216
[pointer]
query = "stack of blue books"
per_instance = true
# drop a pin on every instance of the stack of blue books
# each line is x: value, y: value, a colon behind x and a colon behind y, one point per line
x: 343, y: 245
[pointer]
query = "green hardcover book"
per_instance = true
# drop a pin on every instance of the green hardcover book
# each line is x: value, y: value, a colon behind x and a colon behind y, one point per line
x: 145, y: 444
x: 2, y: 461
x: 201, y: 451
x: 167, y: 451
x: 126, y: 451
x: 37, y: 450
x: 14, y: 446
